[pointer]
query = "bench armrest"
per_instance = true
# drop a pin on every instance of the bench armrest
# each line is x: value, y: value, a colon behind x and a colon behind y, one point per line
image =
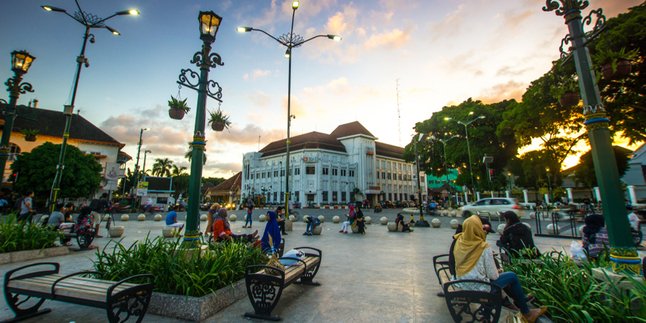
x: 254, y: 269
x: 317, y: 252
x: 115, y: 285
x: 55, y: 270
x: 71, y: 275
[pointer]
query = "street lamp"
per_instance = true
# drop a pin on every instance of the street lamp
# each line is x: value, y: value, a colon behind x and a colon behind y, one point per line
x: 20, y: 63
x: 290, y: 41
x: 89, y: 21
x: 209, y: 23
x: 549, y: 184
x: 145, y: 155
x: 446, y: 172
x: 280, y: 174
x: 466, y: 131
x: 623, y: 253
x: 141, y: 133
x: 421, y: 222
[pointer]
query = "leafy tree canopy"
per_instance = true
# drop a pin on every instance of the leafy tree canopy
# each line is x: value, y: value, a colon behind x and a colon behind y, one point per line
x: 36, y: 170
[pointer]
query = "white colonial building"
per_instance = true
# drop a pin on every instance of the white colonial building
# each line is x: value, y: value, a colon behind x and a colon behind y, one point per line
x: 345, y: 165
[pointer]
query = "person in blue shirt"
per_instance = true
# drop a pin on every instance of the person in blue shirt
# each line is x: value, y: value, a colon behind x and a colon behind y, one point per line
x: 171, y: 220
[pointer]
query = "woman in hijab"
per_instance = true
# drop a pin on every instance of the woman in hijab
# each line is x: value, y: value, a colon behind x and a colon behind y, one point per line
x: 222, y: 230
x: 517, y: 237
x: 271, y: 237
x: 474, y: 260
x: 349, y: 221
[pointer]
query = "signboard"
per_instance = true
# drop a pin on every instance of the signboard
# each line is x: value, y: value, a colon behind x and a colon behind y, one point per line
x: 113, y: 172
x: 142, y: 189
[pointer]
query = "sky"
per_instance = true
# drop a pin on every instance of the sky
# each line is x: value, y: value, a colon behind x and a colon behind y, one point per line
x: 397, y: 64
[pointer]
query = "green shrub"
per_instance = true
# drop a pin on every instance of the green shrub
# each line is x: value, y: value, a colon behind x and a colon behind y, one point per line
x: 182, y: 274
x: 572, y: 294
x: 18, y: 236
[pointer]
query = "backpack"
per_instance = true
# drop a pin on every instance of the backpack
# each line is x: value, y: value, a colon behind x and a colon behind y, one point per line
x: 18, y: 205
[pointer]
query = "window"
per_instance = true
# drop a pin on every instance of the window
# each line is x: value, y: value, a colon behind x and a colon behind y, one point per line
x: 389, y: 176
x: 297, y: 171
x: 343, y: 172
x: 399, y: 176
x: 282, y: 172
x: 324, y: 196
x: 275, y: 173
x: 334, y: 196
x: 325, y: 170
x: 335, y: 172
x: 268, y: 174
x: 310, y: 170
x: 342, y: 196
x: 383, y: 175
x: 275, y: 196
x: 263, y: 174
x: 377, y: 174
x: 351, y: 172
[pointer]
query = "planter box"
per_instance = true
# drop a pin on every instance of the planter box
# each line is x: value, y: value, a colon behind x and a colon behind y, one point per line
x: 196, y: 308
x: 19, y: 256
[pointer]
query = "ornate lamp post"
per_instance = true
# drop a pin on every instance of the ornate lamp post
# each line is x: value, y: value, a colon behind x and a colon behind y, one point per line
x: 446, y: 172
x: 466, y: 132
x: 89, y: 21
x: 20, y: 63
x: 421, y: 222
x: 134, y: 188
x: 143, y: 169
x: 289, y: 40
x: 209, y: 23
x: 623, y: 253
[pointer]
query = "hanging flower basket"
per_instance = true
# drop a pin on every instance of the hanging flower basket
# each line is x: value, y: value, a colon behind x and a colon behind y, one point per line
x: 178, y: 108
x: 621, y: 69
x: 177, y: 114
x: 218, y: 120
x: 30, y: 134
x: 218, y: 126
x: 569, y: 99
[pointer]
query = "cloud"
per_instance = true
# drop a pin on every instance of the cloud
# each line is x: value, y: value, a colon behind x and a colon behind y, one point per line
x: 510, y: 71
x: 256, y: 74
x: 260, y: 99
x: 503, y: 91
x: 393, y: 38
x: 247, y: 135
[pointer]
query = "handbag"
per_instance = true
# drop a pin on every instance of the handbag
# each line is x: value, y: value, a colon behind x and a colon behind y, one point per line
x: 274, y: 266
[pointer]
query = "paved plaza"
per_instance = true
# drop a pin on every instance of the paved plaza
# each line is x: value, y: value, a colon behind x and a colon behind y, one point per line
x: 378, y: 277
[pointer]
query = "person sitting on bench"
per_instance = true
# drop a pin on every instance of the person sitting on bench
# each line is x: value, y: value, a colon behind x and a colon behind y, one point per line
x: 222, y: 230
x: 517, y: 237
x: 171, y: 220
x: 474, y: 260
x: 271, y: 237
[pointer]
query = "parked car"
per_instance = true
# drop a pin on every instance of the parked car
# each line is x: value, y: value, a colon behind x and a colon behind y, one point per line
x: 492, y: 206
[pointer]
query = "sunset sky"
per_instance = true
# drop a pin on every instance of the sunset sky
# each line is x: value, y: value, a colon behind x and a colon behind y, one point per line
x: 432, y: 53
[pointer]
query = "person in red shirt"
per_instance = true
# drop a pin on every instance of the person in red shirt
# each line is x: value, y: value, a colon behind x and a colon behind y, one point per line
x: 222, y: 230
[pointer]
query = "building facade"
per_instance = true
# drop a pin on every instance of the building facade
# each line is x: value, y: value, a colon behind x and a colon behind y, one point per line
x: 83, y: 134
x: 337, y: 168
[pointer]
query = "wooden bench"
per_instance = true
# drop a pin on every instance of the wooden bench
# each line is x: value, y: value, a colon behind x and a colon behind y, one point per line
x: 264, y: 289
x: 42, y: 281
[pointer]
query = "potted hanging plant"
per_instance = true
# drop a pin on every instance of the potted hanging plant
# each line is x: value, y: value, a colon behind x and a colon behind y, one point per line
x: 567, y: 92
x: 30, y: 134
x: 615, y: 64
x: 178, y: 108
x: 218, y: 120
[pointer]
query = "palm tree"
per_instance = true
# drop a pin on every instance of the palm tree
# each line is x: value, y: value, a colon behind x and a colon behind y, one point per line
x: 178, y: 171
x: 189, y: 155
x: 162, y: 167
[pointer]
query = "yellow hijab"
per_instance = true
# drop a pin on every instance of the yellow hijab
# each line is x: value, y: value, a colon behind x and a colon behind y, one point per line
x: 470, y: 244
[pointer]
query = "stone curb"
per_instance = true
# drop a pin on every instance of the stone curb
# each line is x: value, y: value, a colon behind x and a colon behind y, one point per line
x: 25, y: 255
x: 196, y: 308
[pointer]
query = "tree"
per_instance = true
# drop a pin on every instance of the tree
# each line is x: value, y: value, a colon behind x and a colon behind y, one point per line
x: 178, y: 171
x: 189, y: 155
x: 36, y: 171
x: 483, y: 140
x: 162, y: 167
x: 584, y: 173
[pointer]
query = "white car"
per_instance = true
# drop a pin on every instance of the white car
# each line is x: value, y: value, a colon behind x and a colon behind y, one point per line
x: 492, y: 206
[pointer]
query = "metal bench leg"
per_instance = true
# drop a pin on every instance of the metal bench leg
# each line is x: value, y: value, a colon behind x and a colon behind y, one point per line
x: 15, y: 301
x: 131, y: 302
x: 264, y: 293
x: 308, y: 276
